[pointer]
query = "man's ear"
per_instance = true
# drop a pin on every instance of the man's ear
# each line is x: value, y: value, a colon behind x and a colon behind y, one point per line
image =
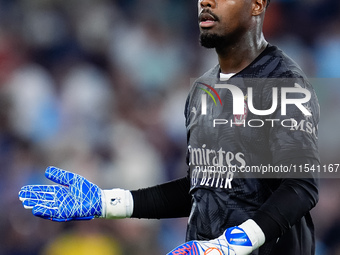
x: 259, y: 6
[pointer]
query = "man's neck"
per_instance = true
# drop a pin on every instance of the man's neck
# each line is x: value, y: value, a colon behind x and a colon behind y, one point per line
x: 234, y: 58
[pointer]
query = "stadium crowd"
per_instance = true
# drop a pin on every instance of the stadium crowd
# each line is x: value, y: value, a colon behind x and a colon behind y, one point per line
x: 98, y: 87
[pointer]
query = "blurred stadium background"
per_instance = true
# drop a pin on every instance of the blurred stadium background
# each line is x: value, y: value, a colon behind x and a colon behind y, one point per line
x: 98, y: 87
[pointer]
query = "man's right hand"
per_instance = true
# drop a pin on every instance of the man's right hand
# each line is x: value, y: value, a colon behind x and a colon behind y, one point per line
x: 75, y: 198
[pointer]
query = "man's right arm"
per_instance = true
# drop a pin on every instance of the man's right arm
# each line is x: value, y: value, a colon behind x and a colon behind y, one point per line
x: 73, y: 197
x: 168, y: 200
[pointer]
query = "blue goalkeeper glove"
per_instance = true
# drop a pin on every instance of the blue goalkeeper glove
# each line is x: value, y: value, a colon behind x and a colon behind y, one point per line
x: 75, y: 198
x: 241, y: 240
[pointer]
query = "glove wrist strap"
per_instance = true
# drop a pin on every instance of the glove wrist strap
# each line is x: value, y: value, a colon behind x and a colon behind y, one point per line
x: 254, y: 233
x: 117, y: 204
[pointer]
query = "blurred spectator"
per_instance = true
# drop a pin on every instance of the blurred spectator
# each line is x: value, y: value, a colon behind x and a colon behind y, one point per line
x: 34, y: 113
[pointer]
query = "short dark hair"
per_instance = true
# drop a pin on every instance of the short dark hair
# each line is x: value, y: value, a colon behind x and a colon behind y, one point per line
x: 268, y: 1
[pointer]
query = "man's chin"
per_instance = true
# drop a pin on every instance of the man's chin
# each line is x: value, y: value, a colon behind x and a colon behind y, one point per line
x: 209, y: 40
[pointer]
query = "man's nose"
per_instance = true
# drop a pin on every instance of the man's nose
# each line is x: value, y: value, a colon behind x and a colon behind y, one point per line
x: 207, y: 3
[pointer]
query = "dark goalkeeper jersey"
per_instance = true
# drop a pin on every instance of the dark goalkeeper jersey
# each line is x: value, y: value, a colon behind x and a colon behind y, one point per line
x: 238, y: 161
x: 248, y: 138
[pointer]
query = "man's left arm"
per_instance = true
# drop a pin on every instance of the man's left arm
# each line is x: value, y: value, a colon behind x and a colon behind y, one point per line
x: 289, y: 202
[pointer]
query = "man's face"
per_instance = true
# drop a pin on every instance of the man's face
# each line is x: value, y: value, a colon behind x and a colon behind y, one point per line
x: 223, y: 22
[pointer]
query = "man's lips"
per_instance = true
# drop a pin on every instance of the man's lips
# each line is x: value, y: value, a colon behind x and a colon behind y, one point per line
x: 207, y: 20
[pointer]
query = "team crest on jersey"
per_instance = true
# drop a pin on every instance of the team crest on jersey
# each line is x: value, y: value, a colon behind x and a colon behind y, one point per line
x: 240, y: 119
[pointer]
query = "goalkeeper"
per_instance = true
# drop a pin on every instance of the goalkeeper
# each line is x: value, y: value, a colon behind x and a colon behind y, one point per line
x: 229, y: 212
